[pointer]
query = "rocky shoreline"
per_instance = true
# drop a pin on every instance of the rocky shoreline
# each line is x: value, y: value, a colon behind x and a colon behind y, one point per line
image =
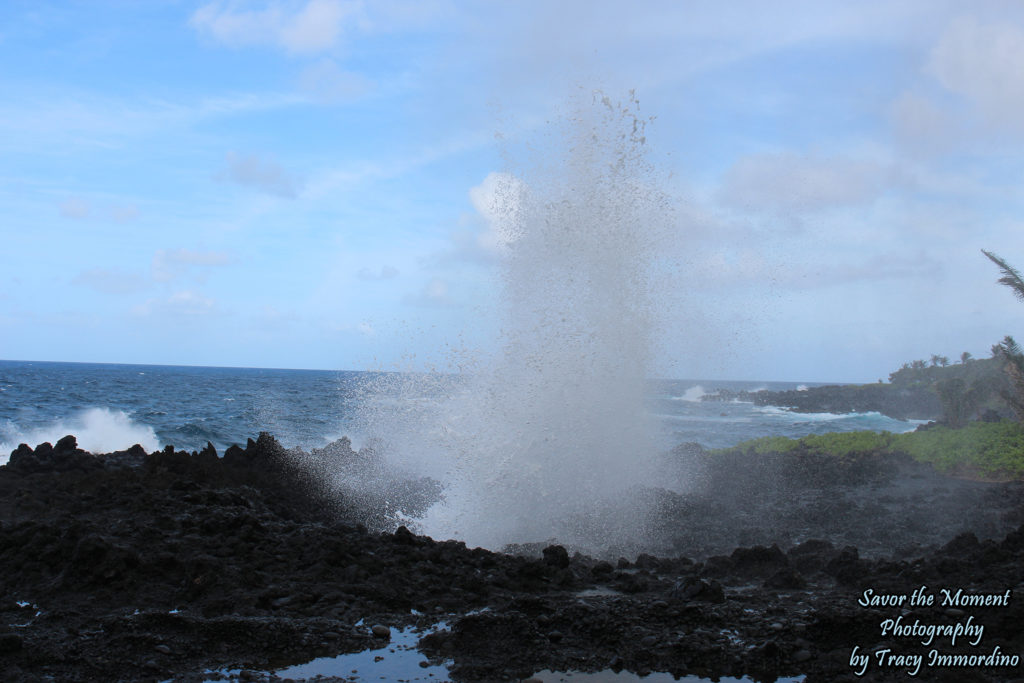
x: 897, y: 402
x: 138, y: 566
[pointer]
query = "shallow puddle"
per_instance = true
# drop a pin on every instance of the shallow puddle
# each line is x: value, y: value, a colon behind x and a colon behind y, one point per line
x: 399, y: 661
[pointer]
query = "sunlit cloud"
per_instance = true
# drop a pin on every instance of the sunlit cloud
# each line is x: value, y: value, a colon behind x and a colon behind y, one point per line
x: 309, y: 27
x: 983, y: 62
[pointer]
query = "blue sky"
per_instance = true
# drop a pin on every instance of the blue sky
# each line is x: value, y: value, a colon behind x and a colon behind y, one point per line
x: 307, y: 183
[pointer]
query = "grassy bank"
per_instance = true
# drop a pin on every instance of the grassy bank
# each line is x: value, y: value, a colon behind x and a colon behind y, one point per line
x: 986, y: 449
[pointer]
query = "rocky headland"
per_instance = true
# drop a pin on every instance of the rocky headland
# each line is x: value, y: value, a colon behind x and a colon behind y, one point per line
x: 901, y: 403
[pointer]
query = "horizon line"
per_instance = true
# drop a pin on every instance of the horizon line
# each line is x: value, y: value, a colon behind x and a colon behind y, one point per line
x: 249, y: 367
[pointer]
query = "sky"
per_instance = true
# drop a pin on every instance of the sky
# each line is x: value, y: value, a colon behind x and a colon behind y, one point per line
x: 312, y: 183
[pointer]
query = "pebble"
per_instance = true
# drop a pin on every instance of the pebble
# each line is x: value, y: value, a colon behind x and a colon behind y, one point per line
x: 555, y: 636
x: 163, y: 649
x: 801, y: 655
x: 954, y: 612
x: 381, y: 631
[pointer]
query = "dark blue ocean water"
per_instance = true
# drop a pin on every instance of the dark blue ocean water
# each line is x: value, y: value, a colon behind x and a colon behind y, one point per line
x: 110, y: 407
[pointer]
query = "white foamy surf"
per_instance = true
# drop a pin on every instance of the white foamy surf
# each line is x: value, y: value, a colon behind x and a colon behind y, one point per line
x: 693, y: 394
x: 98, y: 430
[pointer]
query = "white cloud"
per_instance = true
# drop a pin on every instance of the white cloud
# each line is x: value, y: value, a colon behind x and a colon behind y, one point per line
x: 124, y: 214
x: 171, y: 263
x: 264, y: 175
x: 184, y: 303
x: 314, y: 26
x: 81, y: 209
x: 499, y: 199
x: 433, y: 295
x: 110, y: 281
x: 983, y: 63
x: 497, y: 224
x: 385, y: 273
x: 750, y: 268
x: 75, y: 207
x: 269, y: 318
x: 59, y: 119
x: 327, y: 82
x: 922, y: 124
x: 789, y: 182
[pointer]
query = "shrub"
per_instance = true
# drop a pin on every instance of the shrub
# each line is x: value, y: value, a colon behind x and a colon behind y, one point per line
x: 991, y: 449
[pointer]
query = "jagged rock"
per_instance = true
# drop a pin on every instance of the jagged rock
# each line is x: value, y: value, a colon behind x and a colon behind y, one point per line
x: 556, y: 556
x: 66, y: 445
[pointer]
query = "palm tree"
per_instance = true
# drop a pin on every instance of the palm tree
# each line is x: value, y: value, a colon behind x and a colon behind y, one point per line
x: 965, y: 357
x: 959, y: 402
x: 1013, y: 359
x: 1008, y: 351
x: 1011, y: 278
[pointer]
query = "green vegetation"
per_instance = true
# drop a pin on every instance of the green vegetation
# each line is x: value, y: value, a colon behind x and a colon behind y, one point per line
x: 987, y: 449
x: 961, y: 443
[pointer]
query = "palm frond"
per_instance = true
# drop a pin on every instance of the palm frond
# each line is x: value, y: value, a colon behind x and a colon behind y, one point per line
x: 1010, y: 347
x: 1011, y: 278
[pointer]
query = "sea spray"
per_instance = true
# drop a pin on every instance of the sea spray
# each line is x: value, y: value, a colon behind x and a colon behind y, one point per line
x: 548, y: 438
x: 98, y: 430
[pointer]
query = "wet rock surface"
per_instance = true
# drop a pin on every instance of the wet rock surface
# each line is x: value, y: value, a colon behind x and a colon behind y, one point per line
x: 133, y: 566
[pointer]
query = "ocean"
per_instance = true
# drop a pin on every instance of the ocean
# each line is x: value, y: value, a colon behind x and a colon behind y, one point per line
x: 110, y: 407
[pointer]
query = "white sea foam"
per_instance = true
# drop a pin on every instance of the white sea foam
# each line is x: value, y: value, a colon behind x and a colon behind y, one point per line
x: 867, y: 420
x: 98, y: 430
x: 809, y: 417
x: 692, y: 394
